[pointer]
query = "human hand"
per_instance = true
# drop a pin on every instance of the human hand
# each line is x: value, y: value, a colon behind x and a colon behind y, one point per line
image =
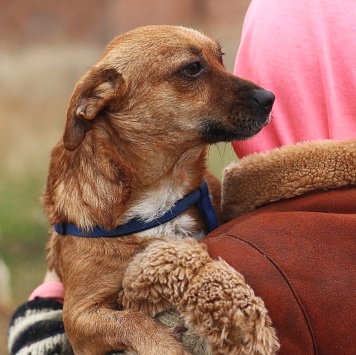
x: 51, y: 276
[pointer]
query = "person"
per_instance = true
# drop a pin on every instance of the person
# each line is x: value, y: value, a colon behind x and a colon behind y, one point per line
x: 36, y: 326
x: 290, y: 201
x: 303, y: 52
x: 291, y: 222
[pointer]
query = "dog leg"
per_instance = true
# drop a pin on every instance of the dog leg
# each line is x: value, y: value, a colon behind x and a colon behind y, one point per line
x: 211, y: 295
x: 107, y: 330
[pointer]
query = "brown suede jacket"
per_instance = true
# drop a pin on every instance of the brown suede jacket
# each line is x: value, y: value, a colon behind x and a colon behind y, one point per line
x: 291, y: 232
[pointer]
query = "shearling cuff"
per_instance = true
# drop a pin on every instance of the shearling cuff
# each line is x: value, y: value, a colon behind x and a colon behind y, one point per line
x: 287, y: 172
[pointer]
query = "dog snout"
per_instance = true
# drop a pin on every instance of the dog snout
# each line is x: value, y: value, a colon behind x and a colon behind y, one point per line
x: 264, y: 99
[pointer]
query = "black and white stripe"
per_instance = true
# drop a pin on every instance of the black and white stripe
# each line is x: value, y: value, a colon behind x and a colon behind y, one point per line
x: 36, y: 328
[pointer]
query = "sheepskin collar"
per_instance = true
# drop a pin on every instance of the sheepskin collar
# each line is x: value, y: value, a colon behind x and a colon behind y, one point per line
x: 286, y: 172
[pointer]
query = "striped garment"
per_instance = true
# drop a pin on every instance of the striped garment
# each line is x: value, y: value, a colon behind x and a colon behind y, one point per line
x: 36, y: 328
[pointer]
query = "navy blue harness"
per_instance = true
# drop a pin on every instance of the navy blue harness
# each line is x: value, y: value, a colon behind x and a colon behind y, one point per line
x: 199, y: 196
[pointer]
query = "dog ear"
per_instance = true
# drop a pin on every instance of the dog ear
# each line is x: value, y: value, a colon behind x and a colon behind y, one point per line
x: 92, y: 94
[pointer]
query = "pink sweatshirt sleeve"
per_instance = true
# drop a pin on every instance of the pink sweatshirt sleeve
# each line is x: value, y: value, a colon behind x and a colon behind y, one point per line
x: 48, y: 290
x: 304, y: 52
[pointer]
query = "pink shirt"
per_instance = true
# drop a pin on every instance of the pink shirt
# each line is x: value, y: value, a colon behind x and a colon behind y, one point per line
x: 305, y: 53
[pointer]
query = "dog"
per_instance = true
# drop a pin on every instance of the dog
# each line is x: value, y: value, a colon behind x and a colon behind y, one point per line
x: 138, y: 126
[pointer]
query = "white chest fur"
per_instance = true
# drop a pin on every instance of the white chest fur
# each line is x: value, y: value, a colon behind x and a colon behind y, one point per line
x: 153, y: 204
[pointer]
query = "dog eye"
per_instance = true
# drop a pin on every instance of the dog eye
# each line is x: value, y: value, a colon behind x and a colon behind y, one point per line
x: 193, y: 69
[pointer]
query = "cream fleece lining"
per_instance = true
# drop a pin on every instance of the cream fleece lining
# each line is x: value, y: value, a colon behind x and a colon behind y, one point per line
x: 287, y: 172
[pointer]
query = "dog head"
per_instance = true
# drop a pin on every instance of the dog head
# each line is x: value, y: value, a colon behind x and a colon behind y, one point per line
x: 165, y: 85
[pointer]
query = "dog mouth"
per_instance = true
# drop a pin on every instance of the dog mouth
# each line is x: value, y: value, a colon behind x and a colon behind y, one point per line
x: 245, y: 119
x: 215, y: 132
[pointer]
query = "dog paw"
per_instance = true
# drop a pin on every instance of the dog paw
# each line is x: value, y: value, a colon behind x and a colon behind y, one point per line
x: 224, y: 309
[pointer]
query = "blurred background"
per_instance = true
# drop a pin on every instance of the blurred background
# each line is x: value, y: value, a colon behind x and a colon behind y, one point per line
x: 45, y: 46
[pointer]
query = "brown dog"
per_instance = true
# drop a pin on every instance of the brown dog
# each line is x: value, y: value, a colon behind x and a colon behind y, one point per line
x: 135, y: 141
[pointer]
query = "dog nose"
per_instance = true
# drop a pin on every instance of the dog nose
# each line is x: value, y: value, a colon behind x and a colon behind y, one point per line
x: 264, y: 98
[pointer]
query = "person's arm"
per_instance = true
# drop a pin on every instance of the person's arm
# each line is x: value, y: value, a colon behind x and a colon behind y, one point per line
x: 51, y: 287
x: 36, y: 327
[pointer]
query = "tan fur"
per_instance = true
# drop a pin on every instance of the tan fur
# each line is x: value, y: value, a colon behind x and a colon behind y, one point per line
x: 287, y: 172
x: 138, y: 125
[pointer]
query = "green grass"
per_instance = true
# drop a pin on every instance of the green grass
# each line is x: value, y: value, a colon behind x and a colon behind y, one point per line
x: 219, y: 156
x: 23, y: 232
x: 21, y: 214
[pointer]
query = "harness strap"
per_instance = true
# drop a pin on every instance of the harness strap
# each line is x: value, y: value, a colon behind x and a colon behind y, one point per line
x: 199, y: 196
